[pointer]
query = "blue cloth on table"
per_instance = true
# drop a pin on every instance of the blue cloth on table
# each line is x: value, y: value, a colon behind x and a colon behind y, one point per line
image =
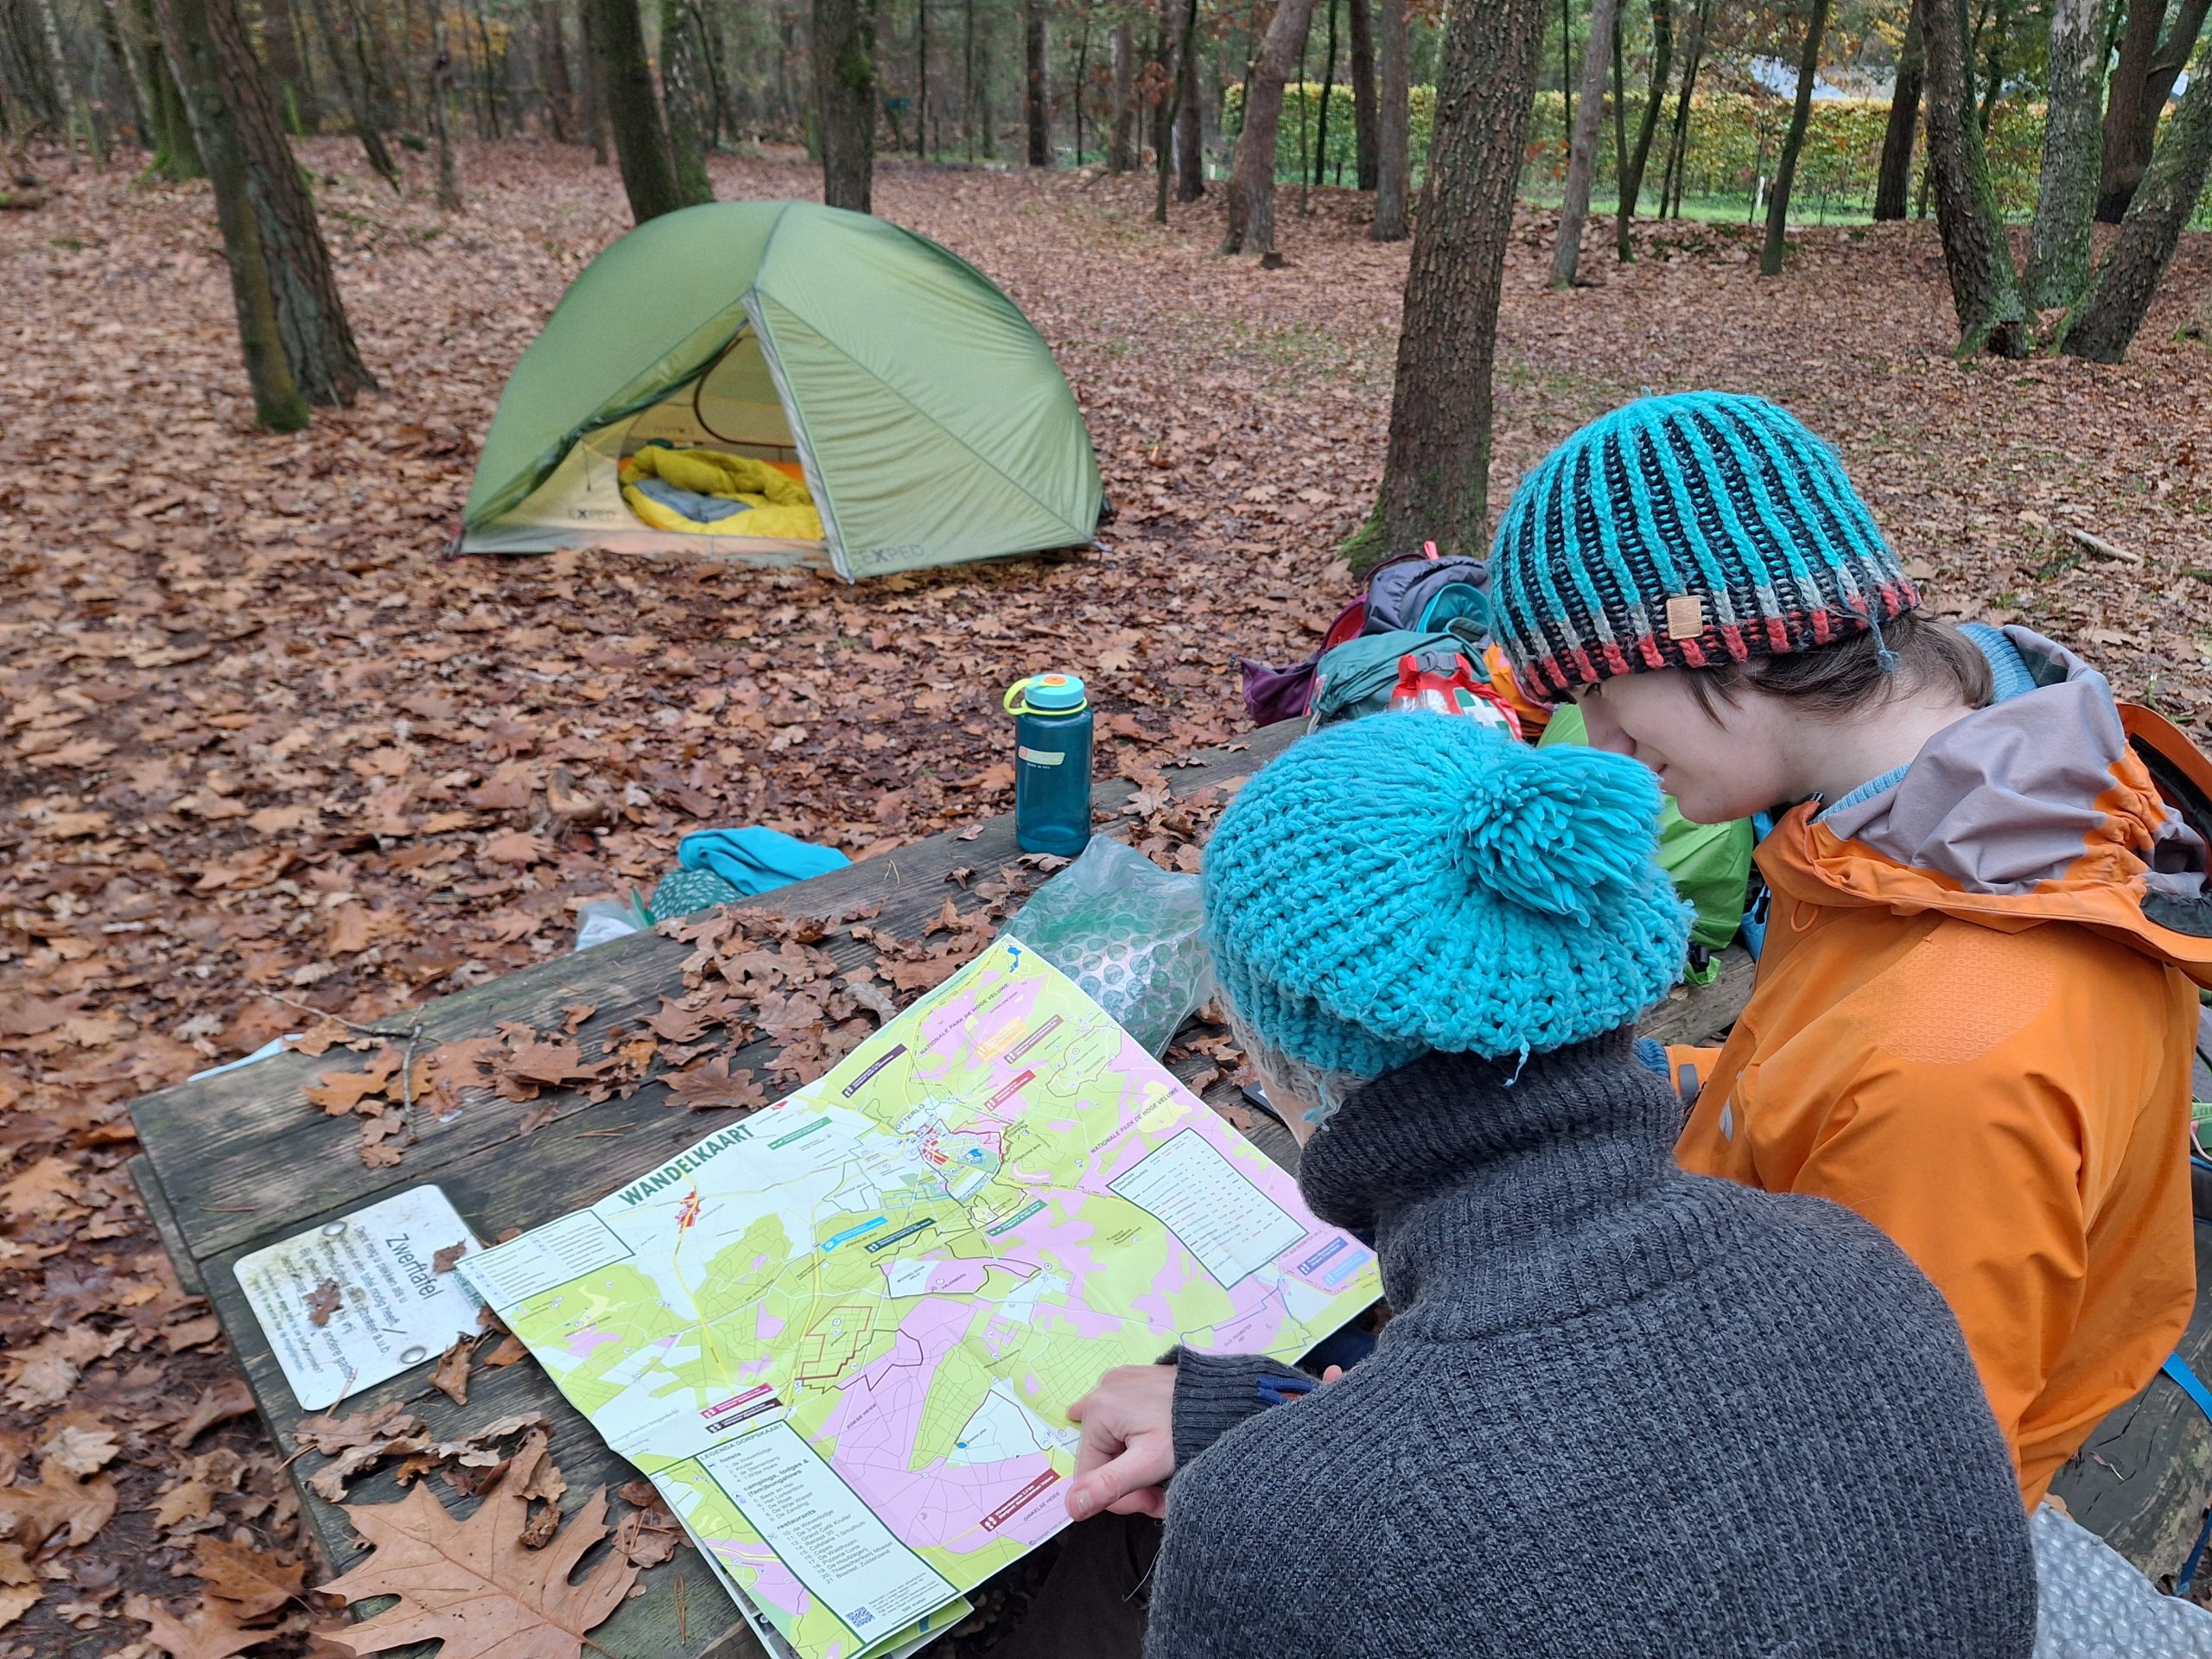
x: 753, y: 860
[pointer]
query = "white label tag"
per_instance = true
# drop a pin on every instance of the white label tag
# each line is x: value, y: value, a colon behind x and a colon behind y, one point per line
x: 1042, y: 757
x: 395, y: 1311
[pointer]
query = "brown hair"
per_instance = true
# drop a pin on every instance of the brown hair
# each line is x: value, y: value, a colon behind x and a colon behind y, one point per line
x: 1851, y: 674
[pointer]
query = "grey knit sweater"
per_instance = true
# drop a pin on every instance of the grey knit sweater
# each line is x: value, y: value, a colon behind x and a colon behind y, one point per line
x: 1621, y: 1411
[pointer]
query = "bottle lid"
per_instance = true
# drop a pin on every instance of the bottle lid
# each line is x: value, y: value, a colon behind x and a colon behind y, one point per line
x: 1048, y: 694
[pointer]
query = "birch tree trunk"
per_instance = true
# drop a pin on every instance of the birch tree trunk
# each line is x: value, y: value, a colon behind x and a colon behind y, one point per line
x: 1582, y: 150
x: 1252, y: 173
x: 2066, y: 197
x: 1984, y: 292
x: 1393, y: 123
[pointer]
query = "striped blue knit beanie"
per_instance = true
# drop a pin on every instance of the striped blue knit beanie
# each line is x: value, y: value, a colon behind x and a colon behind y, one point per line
x: 1682, y: 532
x: 1412, y: 881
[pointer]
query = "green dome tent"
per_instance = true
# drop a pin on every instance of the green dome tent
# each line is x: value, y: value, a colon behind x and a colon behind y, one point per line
x: 927, y: 416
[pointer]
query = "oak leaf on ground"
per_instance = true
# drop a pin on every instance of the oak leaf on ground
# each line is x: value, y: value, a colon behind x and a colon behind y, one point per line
x: 253, y: 1581
x: 32, y: 1516
x: 474, y: 1585
x: 208, y: 1631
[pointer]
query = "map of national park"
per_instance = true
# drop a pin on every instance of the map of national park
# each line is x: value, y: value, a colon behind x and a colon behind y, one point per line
x: 841, y: 1336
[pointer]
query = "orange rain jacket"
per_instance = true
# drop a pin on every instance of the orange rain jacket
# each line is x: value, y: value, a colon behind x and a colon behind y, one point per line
x: 1973, y: 1025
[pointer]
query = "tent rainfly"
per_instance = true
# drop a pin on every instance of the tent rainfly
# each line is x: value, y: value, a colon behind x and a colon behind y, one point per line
x: 923, y: 411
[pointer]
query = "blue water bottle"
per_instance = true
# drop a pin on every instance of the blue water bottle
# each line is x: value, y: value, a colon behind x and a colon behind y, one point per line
x: 1052, y: 763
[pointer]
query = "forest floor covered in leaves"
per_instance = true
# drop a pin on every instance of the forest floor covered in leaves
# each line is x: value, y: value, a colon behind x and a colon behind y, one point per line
x: 262, y: 749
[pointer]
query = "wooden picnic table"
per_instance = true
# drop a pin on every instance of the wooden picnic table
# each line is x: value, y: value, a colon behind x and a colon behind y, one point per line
x: 239, y: 1161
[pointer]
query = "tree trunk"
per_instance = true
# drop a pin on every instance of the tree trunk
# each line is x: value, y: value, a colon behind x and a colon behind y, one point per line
x: 1120, y: 142
x: 1363, y: 138
x: 1582, y: 150
x: 125, y: 50
x: 2066, y: 197
x: 1984, y: 290
x: 1037, y: 100
x: 176, y: 152
x: 2120, y: 292
x: 1632, y: 176
x: 844, y: 99
x: 281, y: 43
x: 198, y: 63
x: 2126, y: 100
x: 441, y: 86
x: 348, y: 58
x: 921, y: 80
x: 1075, y: 99
x: 595, y: 88
x: 553, y: 64
x: 1392, y: 123
x: 1992, y: 79
x: 1801, y: 115
x: 64, y: 93
x: 626, y: 84
x: 683, y: 59
x: 1190, y: 129
x: 2199, y: 325
x: 1328, y: 86
x: 1671, y: 179
x: 1436, y: 473
x: 1252, y: 171
x: 1893, y: 182
x: 1186, y: 89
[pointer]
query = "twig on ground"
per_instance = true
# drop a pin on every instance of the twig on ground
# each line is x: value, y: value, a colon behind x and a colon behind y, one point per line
x: 2098, y: 545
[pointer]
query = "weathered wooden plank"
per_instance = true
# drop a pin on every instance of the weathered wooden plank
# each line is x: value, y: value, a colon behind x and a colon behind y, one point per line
x: 2142, y: 1480
x: 248, y: 1138
x: 164, y: 1217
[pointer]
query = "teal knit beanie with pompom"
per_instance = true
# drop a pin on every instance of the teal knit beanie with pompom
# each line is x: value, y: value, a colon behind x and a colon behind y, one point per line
x: 1412, y: 881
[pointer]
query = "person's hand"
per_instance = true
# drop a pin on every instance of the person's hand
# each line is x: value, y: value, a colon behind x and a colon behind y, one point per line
x: 1127, y: 1450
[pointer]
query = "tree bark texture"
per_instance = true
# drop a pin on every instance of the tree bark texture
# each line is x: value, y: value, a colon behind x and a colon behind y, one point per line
x: 1190, y: 133
x: 442, y: 79
x: 2066, y: 196
x: 553, y: 66
x: 311, y: 316
x: 1582, y: 150
x: 594, y: 92
x: 1252, y: 172
x: 176, y: 154
x: 1793, y: 142
x: 116, y: 34
x: 626, y: 80
x: 2142, y: 79
x: 1121, y: 71
x: 2119, y: 293
x: 197, y: 62
x: 1893, y: 182
x: 1984, y: 290
x: 355, y: 86
x: 1393, y: 123
x: 1363, y: 92
x: 1436, y: 471
x: 844, y: 99
x: 1037, y: 92
x: 1647, y: 126
x: 284, y: 50
x: 685, y: 101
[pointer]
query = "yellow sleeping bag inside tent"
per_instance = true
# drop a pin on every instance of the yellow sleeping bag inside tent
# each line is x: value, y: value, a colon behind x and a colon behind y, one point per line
x: 781, y: 508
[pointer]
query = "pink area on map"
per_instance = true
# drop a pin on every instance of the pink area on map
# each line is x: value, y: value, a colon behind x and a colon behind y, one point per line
x: 773, y: 1587
x: 878, y: 1412
x: 768, y: 1326
x: 583, y: 1344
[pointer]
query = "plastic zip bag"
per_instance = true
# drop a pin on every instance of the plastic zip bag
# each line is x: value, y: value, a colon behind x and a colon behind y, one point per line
x: 1126, y: 931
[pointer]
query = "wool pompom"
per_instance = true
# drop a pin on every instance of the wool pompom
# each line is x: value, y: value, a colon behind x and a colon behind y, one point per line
x: 1557, y: 831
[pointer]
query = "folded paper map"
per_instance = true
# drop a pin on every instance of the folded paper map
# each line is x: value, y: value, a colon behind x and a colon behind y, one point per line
x: 841, y: 1336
